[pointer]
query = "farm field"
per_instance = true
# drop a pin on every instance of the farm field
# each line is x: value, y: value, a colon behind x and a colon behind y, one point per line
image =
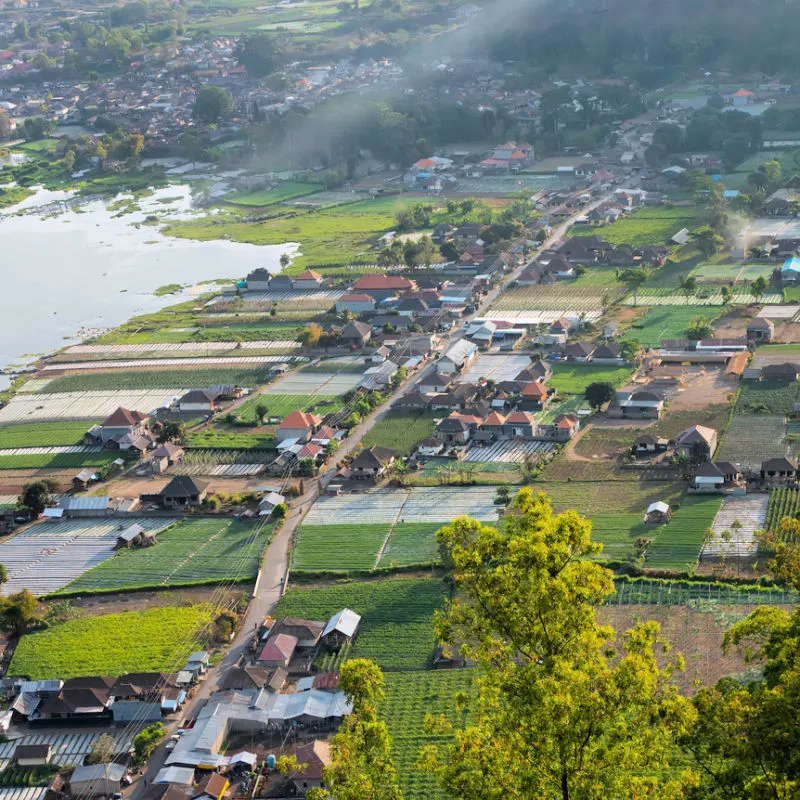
x: 711, y: 273
x: 402, y: 431
x: 330, y: 237
x: 706, y: 296
x: 396, y: 616
x: 216, y: 439
x: 36, y: 460
x: 68, y: 749
x: 735, y: 526
x: 341, y: 548
x: 139, y: 379
x: 508, y: 452
x: 191, y: 552
x: 46, y: 557
x: 574, y: 378
x: 560, y: 296
x: 616, y: 509
x: 266, y: 197
x: 655, y: 591
x: 410, y: 696
x: 281, y: 405
x: 753, y: 438
x: 767, y: 397
x: 133, y: 641
x: 156, y: 362
x: 666, y: 323
x: 647, y: 226
x: 677, y: 544
x: 201, y: 333
x: 80, y: 405
x: 308, y: 382
x: 424, y: 504
x: 43, y: 435
x: 783, y: 502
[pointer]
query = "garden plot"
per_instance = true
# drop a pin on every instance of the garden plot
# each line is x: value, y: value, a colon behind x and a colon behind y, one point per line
x: 510, y: 452
x: 222, y: 361
x: 498, y: 368
x: 538, y: 317
x: 82, y: 405
x: 49, y: 451
x: 764, y: 356
x: 23, y: 793
x: 69, y: 749
x: 545, y: 298
x: 772, y: 228
x: 731, y: 539
x: 324, y: 298
x: 177, y: 347
x: 780, y: 312
x: 672, y: 297
x: 753, y: 438
x: 312, y: 383
x: 208, y: 469
x: 50, y: 555
x: 423, y: 504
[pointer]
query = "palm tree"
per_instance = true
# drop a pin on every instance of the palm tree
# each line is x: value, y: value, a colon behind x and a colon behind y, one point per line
x: 688, y: 285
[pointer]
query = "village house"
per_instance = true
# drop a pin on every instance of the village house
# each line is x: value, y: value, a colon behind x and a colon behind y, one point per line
x: 341, y: 629
x: 697, y: 442
x: 715, y: 476
x: 165, y: 456
x: 356, y: 334
x: 607, y: 353
x: 535, y: 396
x: 579, y: 352
x: 32, y: 755
x: 536, y: 371
x: 355, y: 303
x: 97, y: 780
x: 564, y: 427
x: 198, y: 400
x: 458, y: 357
x: 780, y: 372
x: 429, y: 448
x: 658, y: 513
x: 307, y: 632
x: 648, y: 445
x: 641, y: 404
x: 182, y: 492
x: 372, y: 463
x: 299, y: 426
x: 760, y: 329
x: 382, y: 287
x: 119, y: 424
x: 86, y: 699
x: 314, y: 757
x: 258, y: 280
x: 779, y: 472
x: 307, y: 280
x: 278, y: 651
x: 453, y: 430
x: 281, y: 283
x: 211, y: 787
x: 520, y: 425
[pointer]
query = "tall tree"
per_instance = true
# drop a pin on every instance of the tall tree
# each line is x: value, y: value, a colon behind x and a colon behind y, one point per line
x: 688, y: 285
x: 633, y: 279
x: 260, y: 54
x: 213, y: 104
x: 559, y: 714
x: 36, y: 495
x: 361, y: 764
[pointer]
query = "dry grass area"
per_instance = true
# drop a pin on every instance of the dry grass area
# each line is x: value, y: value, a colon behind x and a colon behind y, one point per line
x: 787, y: 332
x: 733, y: 322
x: 695, y: 633
x: 12, y: 480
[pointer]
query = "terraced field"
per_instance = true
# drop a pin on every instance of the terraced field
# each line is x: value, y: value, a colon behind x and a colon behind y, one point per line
x: 559, y: 296
x: 707, y: 296
x: 191, y: 552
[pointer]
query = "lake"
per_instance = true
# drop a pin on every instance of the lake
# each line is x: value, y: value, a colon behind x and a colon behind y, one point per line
x: 87, y: 269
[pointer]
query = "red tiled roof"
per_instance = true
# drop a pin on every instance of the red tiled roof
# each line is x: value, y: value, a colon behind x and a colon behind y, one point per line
x: 535, y: 389
x: 300, y: 419
x: 309, y: 275
x: 521, y: 418
x: 123, y: 418
x: 383, y: 282
x: 356, y: 298
x: 495, y: 419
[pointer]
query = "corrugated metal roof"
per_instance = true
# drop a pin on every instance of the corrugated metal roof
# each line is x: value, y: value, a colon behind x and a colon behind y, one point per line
x: 84, y: 503
x: 345, y: 622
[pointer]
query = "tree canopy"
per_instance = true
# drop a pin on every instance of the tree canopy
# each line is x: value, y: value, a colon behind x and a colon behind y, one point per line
x: 213, y: 104
x: 260, y: 54
x: 559, y: 712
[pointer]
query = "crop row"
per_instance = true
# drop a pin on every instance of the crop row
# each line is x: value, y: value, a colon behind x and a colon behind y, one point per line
x: 57, y: 460
x: 782, y: 503
x: 677, y: 544
x: 705, y: 297
x: 396, y: 616
x: 560, y: 297
x: 45, y: 434
x: 191, y: 552
x: 216, y: 439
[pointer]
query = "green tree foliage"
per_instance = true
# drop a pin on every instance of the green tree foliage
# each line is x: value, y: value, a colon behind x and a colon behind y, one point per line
x: 759, y: 286
x: 688, y: 285
x: 599, y: 393
x: 559, y: 714
x: 213, y: 104
x: 260, y: 54
x: 634, y: 279
x: 361, y: 762
x: 145, y: 742
x: 37, y: 128
x: 37, y: 495
x: 699, y: 328
x: 103, y: 750
x: 17, y: 612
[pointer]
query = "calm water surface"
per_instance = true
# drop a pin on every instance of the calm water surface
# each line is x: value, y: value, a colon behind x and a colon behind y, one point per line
x: 83, y: 270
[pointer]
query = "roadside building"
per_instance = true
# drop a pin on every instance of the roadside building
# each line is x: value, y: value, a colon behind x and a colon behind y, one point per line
x: 183, y: 492
x: 372, y: 463
x: 97, y: 780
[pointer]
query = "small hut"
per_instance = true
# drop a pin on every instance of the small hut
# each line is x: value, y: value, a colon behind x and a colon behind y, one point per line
x: 658, y: 513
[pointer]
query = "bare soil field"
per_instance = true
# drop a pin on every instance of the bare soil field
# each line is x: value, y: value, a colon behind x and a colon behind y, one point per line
x: 697, y: 634
x: 733, y: 322
x: 98, y: 605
